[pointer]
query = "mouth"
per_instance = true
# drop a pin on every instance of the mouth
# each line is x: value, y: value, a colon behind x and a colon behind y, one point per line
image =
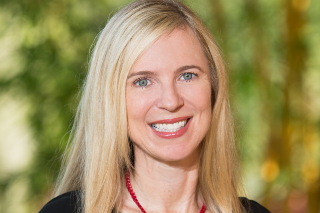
x: 169, y: 127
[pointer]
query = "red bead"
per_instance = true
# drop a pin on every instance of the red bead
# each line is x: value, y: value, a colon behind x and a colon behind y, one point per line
x: 203, y: 209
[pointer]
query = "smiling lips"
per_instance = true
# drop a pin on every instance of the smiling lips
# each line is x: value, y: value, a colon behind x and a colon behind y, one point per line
x: 171, y: 128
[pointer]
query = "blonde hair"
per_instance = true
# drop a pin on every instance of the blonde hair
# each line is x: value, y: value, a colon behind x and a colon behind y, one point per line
x: 99, y: 152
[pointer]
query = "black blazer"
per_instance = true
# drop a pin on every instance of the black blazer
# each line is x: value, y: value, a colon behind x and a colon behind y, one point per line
x: 67, y: 203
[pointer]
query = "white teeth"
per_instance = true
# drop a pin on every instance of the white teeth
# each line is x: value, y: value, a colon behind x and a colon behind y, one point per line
x: 169, y: 127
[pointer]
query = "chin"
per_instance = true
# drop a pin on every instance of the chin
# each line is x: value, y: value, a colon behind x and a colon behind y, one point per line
x: 179, y: 153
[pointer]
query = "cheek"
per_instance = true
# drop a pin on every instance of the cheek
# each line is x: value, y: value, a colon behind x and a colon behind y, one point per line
x: 199, y: 96
x: 138, y: 104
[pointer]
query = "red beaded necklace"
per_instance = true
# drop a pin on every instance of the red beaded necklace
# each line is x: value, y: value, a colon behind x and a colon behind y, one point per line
x: 134, y: 197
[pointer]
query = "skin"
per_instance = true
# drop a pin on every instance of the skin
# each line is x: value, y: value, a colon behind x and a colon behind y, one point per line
x: 176, y: 84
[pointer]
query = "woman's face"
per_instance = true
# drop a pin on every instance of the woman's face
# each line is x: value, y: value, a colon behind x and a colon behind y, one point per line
x: 168, y: 97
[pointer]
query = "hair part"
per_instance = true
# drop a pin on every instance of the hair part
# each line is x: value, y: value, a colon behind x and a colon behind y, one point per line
x: 99, y: 151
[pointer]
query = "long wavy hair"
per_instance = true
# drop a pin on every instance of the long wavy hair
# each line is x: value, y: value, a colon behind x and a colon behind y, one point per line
x: 99, y: 153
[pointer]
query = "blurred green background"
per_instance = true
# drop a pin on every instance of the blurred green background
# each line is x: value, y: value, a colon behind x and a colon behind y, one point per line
x: 272, y: 53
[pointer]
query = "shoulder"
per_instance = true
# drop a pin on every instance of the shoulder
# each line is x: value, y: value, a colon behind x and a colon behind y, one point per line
x: 65, y: 203
x: 252, y: 206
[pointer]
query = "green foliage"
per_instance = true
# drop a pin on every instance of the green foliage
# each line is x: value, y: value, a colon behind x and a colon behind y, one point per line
x: 45, y: 49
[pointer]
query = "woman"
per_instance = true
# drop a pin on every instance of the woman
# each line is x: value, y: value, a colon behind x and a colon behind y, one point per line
x: 153, y: 131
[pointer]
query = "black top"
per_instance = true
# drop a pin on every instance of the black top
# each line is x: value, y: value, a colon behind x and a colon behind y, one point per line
x: 67, y: 203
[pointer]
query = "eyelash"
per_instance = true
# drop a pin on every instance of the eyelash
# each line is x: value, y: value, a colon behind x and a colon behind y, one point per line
x: 145, y: 78
x: 194, y: 75
x: 140, y: 79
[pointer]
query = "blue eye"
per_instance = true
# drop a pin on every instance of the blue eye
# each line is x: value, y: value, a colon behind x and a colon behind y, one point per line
x: 142, y: 82
x: 187, y: 76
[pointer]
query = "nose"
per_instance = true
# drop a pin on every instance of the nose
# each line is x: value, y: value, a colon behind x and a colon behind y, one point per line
x: 170, y: 99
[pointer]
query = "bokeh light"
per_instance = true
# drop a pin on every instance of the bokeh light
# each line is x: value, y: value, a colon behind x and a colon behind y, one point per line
x: 272, y: 54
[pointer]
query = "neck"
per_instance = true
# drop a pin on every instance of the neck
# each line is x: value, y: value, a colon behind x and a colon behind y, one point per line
x: 165, y: 186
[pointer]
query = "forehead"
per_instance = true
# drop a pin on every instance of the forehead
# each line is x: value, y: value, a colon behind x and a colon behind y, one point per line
x: 179, y: 48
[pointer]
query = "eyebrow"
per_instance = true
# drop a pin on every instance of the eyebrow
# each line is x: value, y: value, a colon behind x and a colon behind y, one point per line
x: 141, y: 73
x: 189, y: 67
x: 150, y: 73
